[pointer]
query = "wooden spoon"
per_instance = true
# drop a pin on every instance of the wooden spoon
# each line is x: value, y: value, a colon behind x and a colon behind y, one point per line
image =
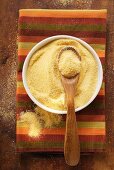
x: 71, y: 142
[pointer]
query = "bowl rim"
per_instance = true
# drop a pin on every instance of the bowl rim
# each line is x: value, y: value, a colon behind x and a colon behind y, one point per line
x: 46, y: 41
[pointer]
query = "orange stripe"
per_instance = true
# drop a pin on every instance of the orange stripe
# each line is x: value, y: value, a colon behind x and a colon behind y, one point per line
x: 61, y: 131
x: 22, y: 131
x: 101, y: 53
x: 17, y: 117
x: 101, y: 93
x: 23, y: 51
x: 87, y: 131
x: 63, y: 13
x: 82, y: 131
x: 21, y: 90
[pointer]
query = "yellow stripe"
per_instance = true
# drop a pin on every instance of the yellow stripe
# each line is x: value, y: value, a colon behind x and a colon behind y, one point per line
x: 20, y: 84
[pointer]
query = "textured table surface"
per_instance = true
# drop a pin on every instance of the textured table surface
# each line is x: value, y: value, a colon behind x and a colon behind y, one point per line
x: 11, y: 160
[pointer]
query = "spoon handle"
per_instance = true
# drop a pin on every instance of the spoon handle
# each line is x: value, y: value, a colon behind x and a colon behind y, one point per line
x: 71, y: 142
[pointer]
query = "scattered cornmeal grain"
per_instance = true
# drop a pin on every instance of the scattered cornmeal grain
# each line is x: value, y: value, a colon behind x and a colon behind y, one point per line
x: 49, y: 119
x: 31, y: 119
x: 38, y: 120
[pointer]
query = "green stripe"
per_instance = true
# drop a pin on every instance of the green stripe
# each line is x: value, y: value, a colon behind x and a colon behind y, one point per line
x: 20, y: 66
x: 47, y: 144
x: 103, y: 67
x: 26, y: 45
x: 20, y: 84
x: 103, y: 86
x: 20, y: 124
x: 66, y: 27
x: 96, y: 104
x: 40, y: 144
x: 98, y: 46
x: 100, y: 125
x: 92, y: 145
x: 25, y: 104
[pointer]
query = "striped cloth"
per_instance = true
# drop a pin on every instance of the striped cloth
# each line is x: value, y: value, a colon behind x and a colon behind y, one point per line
x: 34, y: 26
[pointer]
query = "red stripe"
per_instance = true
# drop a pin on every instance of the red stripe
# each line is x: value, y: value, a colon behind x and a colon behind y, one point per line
x: 22, y: 97
x: 20, y: 109
x: 92, y: 138
x: 39, y: 38
x: 19, y: 76
x: 55, y: 20
x: 87, y: 118
x: 94, y: 40
x: 99, y: 97
x: 30, y: 32
x: 50, y: 150
x: 56, y: 150
x: 93, y: 150
x: 21, y: 59
x: 31, y: 38
x: 102, y: 59
x: 59, y: 138
x: 100, y: 117
x: 52, y: 138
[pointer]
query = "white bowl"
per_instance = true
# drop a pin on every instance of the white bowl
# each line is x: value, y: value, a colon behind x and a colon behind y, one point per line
x: 41, y: 44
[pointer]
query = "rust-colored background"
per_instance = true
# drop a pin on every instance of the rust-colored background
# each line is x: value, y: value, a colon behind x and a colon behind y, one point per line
x: 9, y: 159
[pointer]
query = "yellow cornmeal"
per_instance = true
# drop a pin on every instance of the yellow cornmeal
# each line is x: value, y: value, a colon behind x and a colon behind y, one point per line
x: 37, y: 120
x: 69, y: 64
x: 44, y: 77
x: 31, y: 120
